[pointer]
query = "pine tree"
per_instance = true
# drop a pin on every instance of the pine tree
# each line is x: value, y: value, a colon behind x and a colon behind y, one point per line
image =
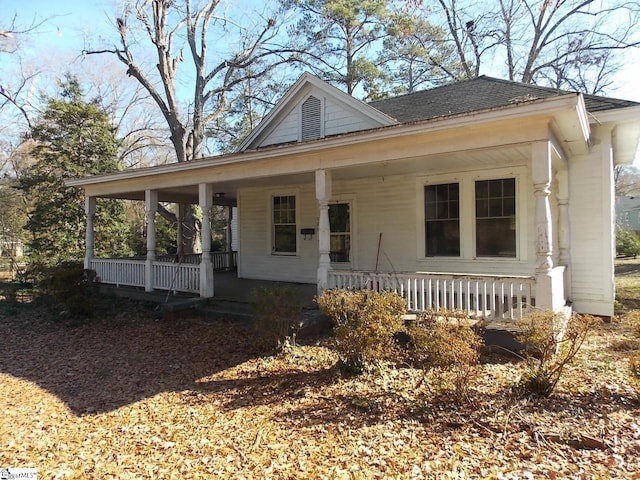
x: 73, y: 138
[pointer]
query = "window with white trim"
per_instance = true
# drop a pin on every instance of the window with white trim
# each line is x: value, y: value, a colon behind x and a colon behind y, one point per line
x: 496, y: 217
x: 283, y: 225
x: 340, y: 236
x: 442, y: 220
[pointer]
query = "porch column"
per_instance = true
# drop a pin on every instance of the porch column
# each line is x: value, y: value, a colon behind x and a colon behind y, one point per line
x: 323, y: 195
x: 547, y: 284
x: 564, y: 237
x: 150, y: 208
x: 90, y: 210
x: 229, y: 239
x: 205, y: 193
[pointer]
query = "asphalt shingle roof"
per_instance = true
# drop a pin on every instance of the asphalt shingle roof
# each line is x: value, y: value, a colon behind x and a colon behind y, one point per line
x: 478, y: 94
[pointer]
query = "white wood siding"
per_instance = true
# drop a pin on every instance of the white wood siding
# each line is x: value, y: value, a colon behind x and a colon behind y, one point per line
x: 338, y: 118
x: 254, y: 222
x: 286, y: 131
x: 383, y: 205
x: 590, y: 210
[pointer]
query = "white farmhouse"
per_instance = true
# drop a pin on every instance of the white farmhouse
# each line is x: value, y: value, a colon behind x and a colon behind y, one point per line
x: 485, y: 195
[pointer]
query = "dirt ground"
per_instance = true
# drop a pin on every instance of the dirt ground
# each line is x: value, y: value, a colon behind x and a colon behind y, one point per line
x: 133, y: 397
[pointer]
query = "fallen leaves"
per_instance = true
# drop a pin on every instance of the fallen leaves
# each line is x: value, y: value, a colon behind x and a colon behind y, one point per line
x: 185, y: 399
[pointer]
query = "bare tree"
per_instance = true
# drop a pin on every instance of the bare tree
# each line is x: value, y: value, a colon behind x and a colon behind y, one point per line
x: 416, y: 54
x: 178, y: 32
x: 563, y: 43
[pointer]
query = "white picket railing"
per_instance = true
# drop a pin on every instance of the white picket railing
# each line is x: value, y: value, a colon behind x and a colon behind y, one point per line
x: 119, y: 271
x: 176, y: 277
x: 481, y: 296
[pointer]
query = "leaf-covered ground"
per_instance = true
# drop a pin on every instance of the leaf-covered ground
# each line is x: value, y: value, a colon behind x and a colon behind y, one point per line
x: 137, y: 398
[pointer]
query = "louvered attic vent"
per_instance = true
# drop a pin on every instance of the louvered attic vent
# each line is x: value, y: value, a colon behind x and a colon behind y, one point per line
x: 311, y: 119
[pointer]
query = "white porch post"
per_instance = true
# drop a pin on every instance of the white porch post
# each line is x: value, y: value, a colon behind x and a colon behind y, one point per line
x: 549, y: 288
x: 564, y: 236
x: 229, y: 239
x: 90, y: 210
x: 150, y: 208
x: 205, y: 194
x: 323, y: 195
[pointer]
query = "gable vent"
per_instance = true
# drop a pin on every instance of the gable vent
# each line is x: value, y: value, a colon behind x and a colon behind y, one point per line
x: 311, y: 119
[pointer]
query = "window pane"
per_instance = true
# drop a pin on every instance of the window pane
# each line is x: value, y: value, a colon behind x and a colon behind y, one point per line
x: 482, y: 189
x: 496, y: 218
x: 443, y: 238
x: 482, y: 208
x: 454, y: 209
x: 495, y: 188
x: 509, y: 187
x: 340, y: 247
x: 495, y: 238
x: 285, y: 238
x: 509, y: 206
x: 340, y: 227
x: 339, y: 217
x: 442, y: 225
x: 284, y: 224
x: 495, y: 207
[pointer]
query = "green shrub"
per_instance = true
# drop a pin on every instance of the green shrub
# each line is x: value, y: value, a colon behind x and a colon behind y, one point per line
x: 551, y: 341
x: 71, y: 291
x: 365, y: 322
x: 277, y: 314
x: 627, y: 243
x: 444, y: 342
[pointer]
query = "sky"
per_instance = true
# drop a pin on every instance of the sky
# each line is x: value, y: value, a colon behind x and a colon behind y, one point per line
x: 71, y: 24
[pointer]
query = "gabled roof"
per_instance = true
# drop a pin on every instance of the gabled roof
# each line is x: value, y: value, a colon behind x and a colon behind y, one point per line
x: 481, y: 93
x: 296, y: 93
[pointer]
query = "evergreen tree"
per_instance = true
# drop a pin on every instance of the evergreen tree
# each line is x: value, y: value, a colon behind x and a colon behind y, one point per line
x: 335, y: 38
x: 72, y: 138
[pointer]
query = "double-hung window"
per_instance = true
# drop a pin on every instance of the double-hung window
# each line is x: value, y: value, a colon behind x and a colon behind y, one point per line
x: 442, y: 220
x: 496, y: 217
x: 284, y: 225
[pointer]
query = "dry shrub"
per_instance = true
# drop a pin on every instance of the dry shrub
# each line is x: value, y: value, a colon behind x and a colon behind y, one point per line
x: 551, y: 340
x: 633, y: 319
x: 365, y: 322
x: 443, y: 342
x: 277, y: 314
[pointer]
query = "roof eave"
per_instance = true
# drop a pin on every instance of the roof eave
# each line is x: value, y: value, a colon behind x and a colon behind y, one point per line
x: 551, y: 107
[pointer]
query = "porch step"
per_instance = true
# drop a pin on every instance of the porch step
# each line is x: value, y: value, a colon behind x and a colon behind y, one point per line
x: 215, y: 309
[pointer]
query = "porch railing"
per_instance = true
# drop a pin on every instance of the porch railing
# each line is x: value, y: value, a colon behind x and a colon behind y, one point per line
x: 119, y: 271
x: 167, y: 273
x: 481, y: 296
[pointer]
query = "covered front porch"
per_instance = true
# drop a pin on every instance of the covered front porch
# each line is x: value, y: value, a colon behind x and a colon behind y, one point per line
x: 383, y: 181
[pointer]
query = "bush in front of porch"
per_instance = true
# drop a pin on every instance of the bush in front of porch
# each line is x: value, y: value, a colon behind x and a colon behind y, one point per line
x: 365, y: 323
